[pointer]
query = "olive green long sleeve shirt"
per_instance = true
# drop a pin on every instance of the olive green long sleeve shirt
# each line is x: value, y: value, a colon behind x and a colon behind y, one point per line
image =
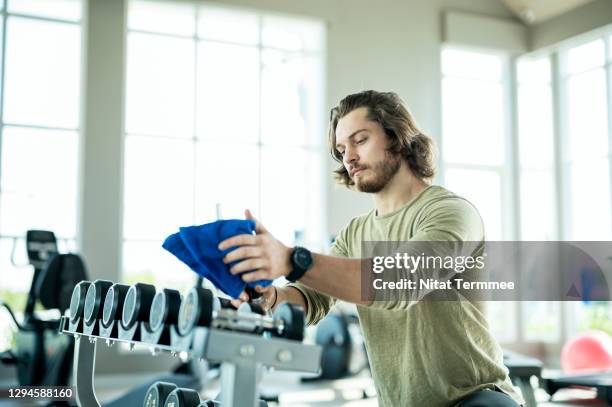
x: 422, y: 353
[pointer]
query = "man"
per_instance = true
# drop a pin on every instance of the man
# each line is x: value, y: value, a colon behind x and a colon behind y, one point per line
x: 422, y: 353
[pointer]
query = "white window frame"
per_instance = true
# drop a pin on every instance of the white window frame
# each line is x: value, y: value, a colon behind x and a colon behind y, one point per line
x: 68, y: 243
x: 319, y: 147
x: 510, y: 221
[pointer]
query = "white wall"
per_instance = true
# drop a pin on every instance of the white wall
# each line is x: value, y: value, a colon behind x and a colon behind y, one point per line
x: 586, y: 18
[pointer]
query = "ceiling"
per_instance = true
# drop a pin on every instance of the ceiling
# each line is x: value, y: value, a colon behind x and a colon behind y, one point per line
x: 536, y: 11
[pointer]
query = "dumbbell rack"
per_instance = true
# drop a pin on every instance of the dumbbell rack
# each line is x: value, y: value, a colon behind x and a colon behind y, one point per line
x: 242, y: 357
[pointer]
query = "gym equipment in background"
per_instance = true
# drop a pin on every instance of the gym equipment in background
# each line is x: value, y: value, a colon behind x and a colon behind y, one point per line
x: 587, y: 363
x: 521, y: 369
x: 343, y: 348
x: 242, y: 341
x: 587, y: 353
x: 41, y: 356
x: 602, y: 383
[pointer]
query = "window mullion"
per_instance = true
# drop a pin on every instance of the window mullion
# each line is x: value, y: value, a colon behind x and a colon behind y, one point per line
x: 513, y: 201
x: 608, y: 73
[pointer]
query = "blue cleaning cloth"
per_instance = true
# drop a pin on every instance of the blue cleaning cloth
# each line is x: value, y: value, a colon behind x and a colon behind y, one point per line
x: 196, y: 246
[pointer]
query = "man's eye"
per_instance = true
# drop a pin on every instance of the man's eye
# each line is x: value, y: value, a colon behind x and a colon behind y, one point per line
x: 361, y: 141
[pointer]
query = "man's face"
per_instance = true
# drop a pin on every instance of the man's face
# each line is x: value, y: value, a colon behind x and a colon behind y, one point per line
x: 363, y: 146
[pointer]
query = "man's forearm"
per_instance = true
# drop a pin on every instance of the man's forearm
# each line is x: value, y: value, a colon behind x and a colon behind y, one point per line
x: 291, y: 295
x: 338, y: 277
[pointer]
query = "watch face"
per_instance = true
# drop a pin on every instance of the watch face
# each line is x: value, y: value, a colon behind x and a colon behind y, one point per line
x: 302, y: 258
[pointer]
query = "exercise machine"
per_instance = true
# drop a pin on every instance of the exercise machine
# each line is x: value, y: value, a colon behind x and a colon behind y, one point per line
x: 41, y: 356
x: 601, y: 382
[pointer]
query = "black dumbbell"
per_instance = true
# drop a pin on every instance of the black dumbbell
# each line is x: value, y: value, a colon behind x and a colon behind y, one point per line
x: 164, y: 309
x: 197, y: 310
x: 137, y: 305
x: 77, y: 305
x: 93, y: 308
x: 292, y: 316
x: 183, y: 398
x: 113, y: 304
x: 157, y: 394
x: 77, y: 300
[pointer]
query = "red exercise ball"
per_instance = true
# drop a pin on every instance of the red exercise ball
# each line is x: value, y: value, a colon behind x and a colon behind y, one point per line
x: 587, y: 353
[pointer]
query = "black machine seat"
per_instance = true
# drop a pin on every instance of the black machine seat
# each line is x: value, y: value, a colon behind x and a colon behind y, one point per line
x: 602, y: 382
x: 522, y: 366
x: 58, y: 279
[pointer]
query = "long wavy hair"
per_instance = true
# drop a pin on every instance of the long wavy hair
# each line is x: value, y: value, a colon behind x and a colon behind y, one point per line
x: 388, y: 109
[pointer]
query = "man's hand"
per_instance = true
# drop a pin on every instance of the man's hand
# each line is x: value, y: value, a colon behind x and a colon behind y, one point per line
x: 262, y: 253
x: 266, y: 301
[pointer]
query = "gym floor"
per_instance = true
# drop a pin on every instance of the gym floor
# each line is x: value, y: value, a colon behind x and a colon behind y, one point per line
x: 344, y: 392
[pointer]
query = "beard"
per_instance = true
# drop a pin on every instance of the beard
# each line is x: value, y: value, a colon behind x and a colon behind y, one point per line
x: 381, y: 173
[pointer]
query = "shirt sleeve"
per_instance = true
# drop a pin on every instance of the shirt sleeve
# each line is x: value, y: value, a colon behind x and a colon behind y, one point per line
x: 318, y: 304
x: 456, y: 226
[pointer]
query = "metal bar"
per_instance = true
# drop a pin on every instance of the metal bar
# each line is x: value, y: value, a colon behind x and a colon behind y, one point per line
x: 239, y: 384
x: 283, y: 354
x: 39, y: 127
x: 43, y: 18
x: 84, y: 365
x: 226, y: 42
x: 608, y: 73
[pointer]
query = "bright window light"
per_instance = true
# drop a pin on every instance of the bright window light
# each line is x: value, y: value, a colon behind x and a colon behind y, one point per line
x: 474, y: 121
x: 535, y: 70
x: 158, y: 194
x: 49, y: 96
x: 483, y: 189
x: 222, y: 125
x: 228, y: 92
x: 590, y: 200
x: 160, y: 85
x: 536, y: 154
x: 39, y: 135
x: 228, y: 25
x: 215, y: 173
x: 70, y: 10
x: 39, y: 181
x: 584, y: 57
x: 471, y: 65
x: 587, y: 115
x: 162, y: 17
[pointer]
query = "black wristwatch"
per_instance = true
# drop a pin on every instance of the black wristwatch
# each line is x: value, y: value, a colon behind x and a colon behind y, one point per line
x: 301, y: 260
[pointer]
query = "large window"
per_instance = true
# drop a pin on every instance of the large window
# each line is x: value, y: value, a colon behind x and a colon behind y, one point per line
x: 475, y: 150
x: 39, y: 127
x: 563, y: 103
x: 585, y: 81
x: 475, y: 133
x: 223, y: 113
x: 586, y: 152
x: 540, y: 320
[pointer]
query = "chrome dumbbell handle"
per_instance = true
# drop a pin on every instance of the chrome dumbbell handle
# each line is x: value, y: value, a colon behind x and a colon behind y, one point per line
x: 241, y: 321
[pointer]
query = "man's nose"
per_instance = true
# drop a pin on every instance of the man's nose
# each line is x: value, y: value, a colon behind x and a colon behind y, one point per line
x: 350, y: 156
